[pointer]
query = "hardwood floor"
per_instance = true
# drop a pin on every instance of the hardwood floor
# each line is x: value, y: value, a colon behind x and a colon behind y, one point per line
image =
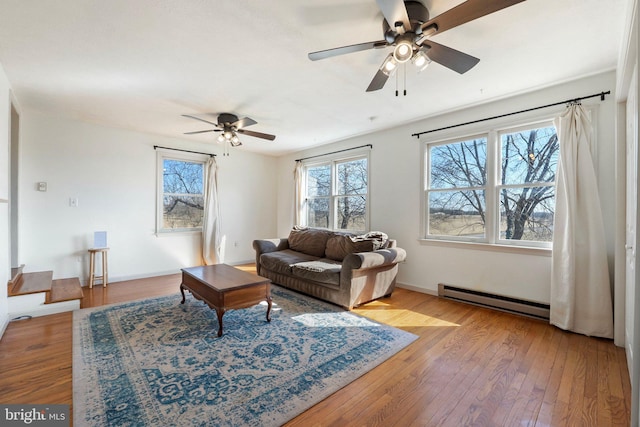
x: 469, y: 366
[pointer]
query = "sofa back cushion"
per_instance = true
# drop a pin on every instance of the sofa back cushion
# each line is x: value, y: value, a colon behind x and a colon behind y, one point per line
x: 310, y: 241
x: 341, y: 245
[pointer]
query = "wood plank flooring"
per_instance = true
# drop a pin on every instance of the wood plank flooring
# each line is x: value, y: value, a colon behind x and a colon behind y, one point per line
x: 469, y: 366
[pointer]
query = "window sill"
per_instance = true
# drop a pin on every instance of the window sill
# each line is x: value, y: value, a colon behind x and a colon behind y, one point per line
x: 521, y: 250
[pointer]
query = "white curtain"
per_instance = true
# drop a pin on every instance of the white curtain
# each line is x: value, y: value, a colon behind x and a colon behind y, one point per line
x: 298, y: 193
x: 211, y: 246
x: 580, y: 287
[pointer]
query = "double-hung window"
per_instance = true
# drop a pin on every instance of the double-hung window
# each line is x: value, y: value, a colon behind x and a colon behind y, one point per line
x: 180, y: 194
x: 496, y: 187
x: 337, y: 194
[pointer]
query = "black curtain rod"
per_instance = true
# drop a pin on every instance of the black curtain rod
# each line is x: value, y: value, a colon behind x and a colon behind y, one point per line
x: 155, y: 147
x: 568, y: 101
x: 334, y: 152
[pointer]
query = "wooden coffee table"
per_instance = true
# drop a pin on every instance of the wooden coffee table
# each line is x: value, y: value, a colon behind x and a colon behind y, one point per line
x: 223, y: 287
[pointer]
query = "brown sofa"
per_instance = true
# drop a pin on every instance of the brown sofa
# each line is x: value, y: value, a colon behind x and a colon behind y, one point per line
x: 344, y: 269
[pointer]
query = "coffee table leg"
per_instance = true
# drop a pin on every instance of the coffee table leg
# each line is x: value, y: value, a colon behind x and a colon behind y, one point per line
x: 182, y: 291
x: 220, y: 313
x: 268, y: 309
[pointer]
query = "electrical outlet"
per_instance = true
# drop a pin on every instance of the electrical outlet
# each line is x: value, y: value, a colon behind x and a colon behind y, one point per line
x: 235, y: 244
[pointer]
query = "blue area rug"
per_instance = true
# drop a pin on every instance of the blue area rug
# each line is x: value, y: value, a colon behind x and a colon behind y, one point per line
x: 157, y: 362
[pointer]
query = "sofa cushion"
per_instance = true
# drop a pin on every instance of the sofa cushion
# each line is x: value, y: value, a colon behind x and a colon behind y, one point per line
x: 282, y: 261
x: 321, y: 270
x: 339, y: 246
x: 310, y: 241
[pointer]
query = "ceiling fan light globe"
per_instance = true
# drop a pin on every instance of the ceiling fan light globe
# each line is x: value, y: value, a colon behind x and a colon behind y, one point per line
x: 421, y: 60
x: 228, y: 135
x: 221, y: 138
x: 403, y: 52
x: 389, y: 65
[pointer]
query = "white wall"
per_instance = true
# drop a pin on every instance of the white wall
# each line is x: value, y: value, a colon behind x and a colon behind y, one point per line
x: 112, y: 172
x: 5, y: 268
x: 396, y: 190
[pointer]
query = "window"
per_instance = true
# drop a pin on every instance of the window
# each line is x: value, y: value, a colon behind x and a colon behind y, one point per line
x: 337, y: 194
x: 528, y: 163
x: 457, y: 181
x: 181, y: 181
x: 497, y: 187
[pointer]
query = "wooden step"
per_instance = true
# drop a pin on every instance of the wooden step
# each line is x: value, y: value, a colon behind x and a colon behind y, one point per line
x: 65, y: 290
x: 31, y: 283
x: 16, y: 277
x: 16, y: 272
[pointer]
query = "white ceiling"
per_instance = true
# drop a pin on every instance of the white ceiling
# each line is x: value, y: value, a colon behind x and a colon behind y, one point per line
x: 141, y: 64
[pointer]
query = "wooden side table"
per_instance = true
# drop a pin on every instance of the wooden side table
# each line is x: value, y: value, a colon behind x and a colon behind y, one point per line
x: 92, y: 267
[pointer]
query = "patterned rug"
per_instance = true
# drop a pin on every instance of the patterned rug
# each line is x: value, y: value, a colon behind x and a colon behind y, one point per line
x: 158, y: 362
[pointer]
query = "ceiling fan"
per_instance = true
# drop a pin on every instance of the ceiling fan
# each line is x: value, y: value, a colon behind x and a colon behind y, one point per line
x: 407, y: 27
x: 230, y: 126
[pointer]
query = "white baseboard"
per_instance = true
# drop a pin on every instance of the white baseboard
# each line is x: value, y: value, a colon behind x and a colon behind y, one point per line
x: 3, y: 326
x: 156, y: 274
x: 136, y: 277
x: 417, y: 289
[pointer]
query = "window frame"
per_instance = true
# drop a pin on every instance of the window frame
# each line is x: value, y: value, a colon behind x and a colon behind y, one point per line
x: 426, y: 189
x: 334, y: 161
x: 498, y: 186
x: 492, y: 239
x: 161, y: 156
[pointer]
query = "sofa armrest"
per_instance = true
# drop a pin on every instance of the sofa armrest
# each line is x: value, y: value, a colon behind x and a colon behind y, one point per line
x: 262, y: 246
x: 381, y: 257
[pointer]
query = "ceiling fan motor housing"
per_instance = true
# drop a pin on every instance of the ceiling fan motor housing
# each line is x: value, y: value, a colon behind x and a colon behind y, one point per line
x: 418, y: 15
x: 227, y: 119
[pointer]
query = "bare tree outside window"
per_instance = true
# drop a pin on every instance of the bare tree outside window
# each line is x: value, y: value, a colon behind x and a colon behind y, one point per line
x: 525, y: 190
x: 183, y: 197
x: 458, y: 175
x: 352, y: 195
x: 336, y: 195
x: 318, y: 196
x: 528, y: 158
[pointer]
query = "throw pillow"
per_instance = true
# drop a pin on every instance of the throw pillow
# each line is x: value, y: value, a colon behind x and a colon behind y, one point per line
x: 310, y: 241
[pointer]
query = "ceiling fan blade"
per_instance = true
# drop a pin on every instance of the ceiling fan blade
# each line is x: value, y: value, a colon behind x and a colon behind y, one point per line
x: 244, y: 122
x: 322, y: 54
x: 395, y: 13
x: 467, y: 11
x: 453, y: 59
x: 257, y: 134
x: 202, y: 131
x: 202, y: 120
x: 378, y: 81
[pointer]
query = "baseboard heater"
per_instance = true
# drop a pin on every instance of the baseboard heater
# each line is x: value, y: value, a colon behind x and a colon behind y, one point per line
x: 496, y: 302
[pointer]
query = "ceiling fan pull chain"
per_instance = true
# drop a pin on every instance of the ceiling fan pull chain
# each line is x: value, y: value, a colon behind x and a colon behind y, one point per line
x: 396, y: 84
x: 404, y: 69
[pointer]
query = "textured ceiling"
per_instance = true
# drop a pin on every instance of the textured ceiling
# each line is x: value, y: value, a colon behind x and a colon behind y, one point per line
x: 141, y: 64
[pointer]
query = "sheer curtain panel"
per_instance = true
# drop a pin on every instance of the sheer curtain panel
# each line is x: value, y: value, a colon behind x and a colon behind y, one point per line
x: 298, y: 193
x: 211, y: 247
x: 580, y: 286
